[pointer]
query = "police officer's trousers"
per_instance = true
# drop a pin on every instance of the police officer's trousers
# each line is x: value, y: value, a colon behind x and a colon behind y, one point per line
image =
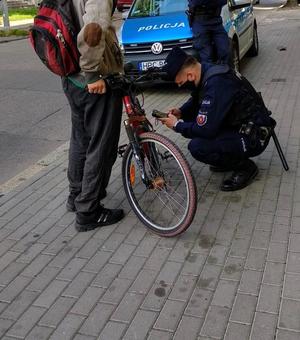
x: 229, y: 148
x: 93, y: 146
x: 211, y: 41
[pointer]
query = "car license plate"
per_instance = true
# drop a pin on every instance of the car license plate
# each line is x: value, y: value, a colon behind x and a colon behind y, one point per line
x: 147, y: 64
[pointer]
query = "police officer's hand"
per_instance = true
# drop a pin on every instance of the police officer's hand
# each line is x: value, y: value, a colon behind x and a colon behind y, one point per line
x: 175, y: 112
x: 98, y: 87
x: 170, y: 121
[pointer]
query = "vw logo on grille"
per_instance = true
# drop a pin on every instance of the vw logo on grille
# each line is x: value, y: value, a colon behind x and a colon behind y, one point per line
x: 156, y: 48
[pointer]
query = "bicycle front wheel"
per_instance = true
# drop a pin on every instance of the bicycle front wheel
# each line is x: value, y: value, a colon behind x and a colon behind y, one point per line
x: 167, y: 203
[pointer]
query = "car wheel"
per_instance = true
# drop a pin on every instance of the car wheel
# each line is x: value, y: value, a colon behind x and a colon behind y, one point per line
x: 253, y: 51
x: 235, y: 58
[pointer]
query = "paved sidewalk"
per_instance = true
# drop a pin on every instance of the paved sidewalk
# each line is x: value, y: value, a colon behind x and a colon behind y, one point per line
x: 233, y: 275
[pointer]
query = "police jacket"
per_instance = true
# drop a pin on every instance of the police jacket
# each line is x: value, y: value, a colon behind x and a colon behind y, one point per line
x: 204, y: 115
x: 221, y: 103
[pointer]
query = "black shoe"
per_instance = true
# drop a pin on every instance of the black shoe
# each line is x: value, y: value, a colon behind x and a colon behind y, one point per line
x: 241, y: 177
x: 70, y: 205
x: 100, y: 218
x: 214, y: 168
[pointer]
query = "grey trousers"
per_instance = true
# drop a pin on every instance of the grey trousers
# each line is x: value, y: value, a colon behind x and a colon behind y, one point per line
x: 93, y: 146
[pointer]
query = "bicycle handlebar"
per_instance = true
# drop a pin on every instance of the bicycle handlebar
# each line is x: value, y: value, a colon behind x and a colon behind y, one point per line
x: 125, y: 82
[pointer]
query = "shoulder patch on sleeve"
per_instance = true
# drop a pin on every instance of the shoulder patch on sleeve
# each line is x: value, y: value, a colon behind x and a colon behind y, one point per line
x: 201, y: 119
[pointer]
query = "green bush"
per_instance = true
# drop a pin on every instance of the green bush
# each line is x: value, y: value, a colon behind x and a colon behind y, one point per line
x: 21, y: 13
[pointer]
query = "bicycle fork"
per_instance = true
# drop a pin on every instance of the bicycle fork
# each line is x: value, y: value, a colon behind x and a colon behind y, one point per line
x: 136, y: 151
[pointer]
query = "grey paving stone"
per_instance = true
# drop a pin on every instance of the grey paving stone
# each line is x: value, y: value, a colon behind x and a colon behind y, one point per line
x: 71, y: 269
x: 40, y: 333
x: 37, y: 265
x: 188, y: 325
x: 97, y: 261
x: 293, y: 262
x: 116, y: 291
x: 68, y: 327
x: 269, y: 299
x: 256, y: 259
x: 55, y: 314
x: 146, y: 246
x: 162, y: 335
x: 10, y: 272
x: 243, y: 308
x: 225, y: 293
x: 127, y: 308
x: 277, y: 252
x: 157, y: 258
x: 236, y: 331
x: 140, y: 325
x: 15, y: 309
x: 250, y: 282
x: 274, y: 272
x: 43, y: 279
x: 199, y: 303
x: 283, y: 334
x: 169, y: 272
x: 15, y: 287
x: 143, y: 282
x: 50, y: 294
x: 294, y: 244
x: 136, y: 235
x: 183, y: 288
x: 292, y: 286
x: 215, y: 322
x: 209, y: 276
x: 7, y: 258
x: 112, y: 331
x: 83, y: 337
x: 89, y: 248
x: 233, y: 268
x: 170, y: 315
x: 156, y: 296
x: 193, y: 264
x: 79, y: 285
x: 26, y: 322
x: 87, y: 301
x: 133, y: 266
x: 239, y: 247
x: 122, y: 254
x: 264, y: 326
x: 96, y: 320
x: 5, y: 324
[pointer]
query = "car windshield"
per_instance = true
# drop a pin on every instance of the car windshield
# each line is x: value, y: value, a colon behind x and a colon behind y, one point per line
x: 152, y: 8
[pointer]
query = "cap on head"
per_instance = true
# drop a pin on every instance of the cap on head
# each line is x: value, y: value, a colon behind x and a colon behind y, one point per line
x: 174, y: 61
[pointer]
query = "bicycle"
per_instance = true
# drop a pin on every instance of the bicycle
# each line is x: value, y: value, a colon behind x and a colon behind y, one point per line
x: 157, y: 178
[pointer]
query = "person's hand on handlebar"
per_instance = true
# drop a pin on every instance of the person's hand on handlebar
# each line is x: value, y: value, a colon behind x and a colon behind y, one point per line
x: 170, y: 122
x: 98, y: 87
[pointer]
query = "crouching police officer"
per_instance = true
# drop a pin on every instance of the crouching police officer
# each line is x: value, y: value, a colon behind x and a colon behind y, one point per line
x: 225, y: 118
x: 208, y: 31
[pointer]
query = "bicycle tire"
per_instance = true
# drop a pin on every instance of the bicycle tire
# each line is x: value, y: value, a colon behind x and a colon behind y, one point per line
x: 177, y: 156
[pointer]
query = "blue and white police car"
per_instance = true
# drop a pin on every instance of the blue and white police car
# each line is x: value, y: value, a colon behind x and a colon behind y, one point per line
x: 153, y: 27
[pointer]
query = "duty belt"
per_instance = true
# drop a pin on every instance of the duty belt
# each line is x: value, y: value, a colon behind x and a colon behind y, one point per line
x: 256, y: 133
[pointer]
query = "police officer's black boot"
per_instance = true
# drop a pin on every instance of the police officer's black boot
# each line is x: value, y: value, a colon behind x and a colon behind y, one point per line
x: 243, y: 174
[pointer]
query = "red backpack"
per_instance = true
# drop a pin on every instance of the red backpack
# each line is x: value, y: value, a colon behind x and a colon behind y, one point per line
x: 54, y: 36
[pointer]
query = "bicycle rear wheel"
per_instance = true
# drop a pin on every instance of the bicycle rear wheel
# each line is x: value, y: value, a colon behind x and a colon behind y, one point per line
x: 167, y: 205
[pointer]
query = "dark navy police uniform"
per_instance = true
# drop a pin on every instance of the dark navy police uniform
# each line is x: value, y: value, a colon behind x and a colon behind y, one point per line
x: 205, y: 121
x: 208, y: 30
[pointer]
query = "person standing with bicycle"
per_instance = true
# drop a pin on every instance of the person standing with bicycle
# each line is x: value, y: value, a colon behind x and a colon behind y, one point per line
x: 96, y: 115
x: 225, y: 118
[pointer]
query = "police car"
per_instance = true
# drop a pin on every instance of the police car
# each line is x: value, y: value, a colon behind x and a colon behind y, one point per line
x: 153, y: 27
